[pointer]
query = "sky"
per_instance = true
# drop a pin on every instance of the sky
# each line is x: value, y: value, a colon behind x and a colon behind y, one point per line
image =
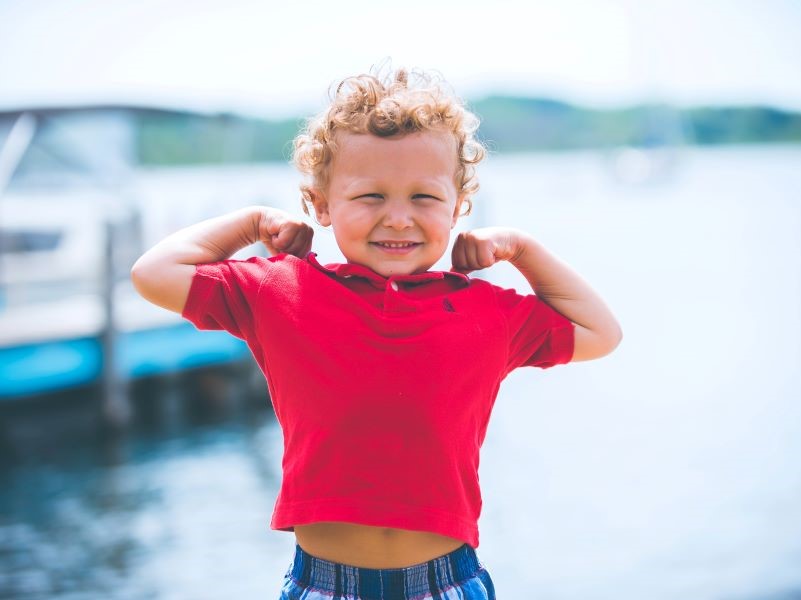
x: 279, y: 59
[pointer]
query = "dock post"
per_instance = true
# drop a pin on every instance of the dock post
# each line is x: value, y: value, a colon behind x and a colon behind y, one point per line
x: 116, y: 404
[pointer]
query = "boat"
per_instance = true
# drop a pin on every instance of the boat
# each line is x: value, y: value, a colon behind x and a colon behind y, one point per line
x: 76, y: 210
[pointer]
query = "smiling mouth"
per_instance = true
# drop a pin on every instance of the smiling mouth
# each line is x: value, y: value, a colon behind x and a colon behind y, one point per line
x: 396, y: 247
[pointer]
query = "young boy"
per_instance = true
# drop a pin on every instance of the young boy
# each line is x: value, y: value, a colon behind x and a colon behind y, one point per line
x: 382, y: 373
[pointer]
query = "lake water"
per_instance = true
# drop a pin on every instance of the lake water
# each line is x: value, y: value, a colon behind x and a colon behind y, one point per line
x: 669, y: 469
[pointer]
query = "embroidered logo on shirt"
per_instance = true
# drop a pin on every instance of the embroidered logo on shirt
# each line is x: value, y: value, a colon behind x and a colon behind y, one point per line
x: 446, y: 304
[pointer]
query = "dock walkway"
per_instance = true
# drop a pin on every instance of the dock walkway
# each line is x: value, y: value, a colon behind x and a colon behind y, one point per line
x: 49, y: 346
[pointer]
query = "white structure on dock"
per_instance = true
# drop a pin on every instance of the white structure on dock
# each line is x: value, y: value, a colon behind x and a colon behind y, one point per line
x: 76, y: 210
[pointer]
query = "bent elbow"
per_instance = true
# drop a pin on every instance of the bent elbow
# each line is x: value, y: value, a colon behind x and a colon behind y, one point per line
x: 163, y: 283
x: 148, y: 281
x: 611, y: 341
x: 590, y: 345
x: 139, y: 277
x: 615, y: 339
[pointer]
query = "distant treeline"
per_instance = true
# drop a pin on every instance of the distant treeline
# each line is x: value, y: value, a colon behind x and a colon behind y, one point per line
x: 508, y: 124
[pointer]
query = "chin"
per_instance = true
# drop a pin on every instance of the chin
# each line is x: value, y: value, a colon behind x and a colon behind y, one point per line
x: 390, y: 271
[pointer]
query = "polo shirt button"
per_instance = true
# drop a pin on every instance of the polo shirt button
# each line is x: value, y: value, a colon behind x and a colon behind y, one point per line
x: 394, y: 285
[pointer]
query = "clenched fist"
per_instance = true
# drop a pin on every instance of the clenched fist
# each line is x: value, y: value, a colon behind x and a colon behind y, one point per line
x: 482, y: 248
x: 280, y: 231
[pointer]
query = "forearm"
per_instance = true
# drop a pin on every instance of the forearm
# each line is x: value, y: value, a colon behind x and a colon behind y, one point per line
x: 563, y: 289
x: 208, y: 241
x: 163, y: 275
x: 596, y: 331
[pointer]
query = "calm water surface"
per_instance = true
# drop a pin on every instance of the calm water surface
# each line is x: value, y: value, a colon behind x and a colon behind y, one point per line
x: 669, y: 469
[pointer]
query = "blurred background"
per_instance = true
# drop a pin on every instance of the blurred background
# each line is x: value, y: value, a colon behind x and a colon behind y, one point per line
x: 654, y: 146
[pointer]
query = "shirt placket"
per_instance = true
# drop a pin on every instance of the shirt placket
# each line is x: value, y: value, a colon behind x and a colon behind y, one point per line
x: 394, y: 299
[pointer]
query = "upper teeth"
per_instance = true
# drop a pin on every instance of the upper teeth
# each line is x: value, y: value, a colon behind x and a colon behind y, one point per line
x: 396, y: 244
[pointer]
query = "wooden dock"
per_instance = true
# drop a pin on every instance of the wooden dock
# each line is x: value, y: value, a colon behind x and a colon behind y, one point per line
x: 50, y: 346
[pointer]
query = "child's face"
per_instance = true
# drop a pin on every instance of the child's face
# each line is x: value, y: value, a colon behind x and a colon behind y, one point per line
x: 391, y: 202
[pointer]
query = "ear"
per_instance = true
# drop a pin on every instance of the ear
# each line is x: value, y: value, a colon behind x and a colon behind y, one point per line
x: 457, y: 210
x: 320, y: 207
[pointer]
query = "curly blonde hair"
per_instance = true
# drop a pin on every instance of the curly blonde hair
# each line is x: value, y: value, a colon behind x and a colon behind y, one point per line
x: 388, y: 106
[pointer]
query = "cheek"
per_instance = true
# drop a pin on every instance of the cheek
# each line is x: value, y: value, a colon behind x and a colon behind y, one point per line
x: 443, y: 223
x: 350, y: 222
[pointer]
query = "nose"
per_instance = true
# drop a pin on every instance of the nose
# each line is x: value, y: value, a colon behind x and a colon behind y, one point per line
x: 397, y: 215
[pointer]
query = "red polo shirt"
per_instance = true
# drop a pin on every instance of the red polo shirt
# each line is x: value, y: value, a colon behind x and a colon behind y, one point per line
x: 383, y: 387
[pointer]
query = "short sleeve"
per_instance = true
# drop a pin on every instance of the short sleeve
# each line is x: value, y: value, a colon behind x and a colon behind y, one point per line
x: 539, y: 336
x: 223, y: 295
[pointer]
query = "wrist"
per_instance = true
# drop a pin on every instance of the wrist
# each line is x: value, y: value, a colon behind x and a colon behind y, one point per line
x: 258, y: 219
x: 521, y: 244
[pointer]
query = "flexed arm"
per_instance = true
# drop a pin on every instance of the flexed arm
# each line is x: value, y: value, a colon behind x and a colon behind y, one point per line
x: 163, y: 274
x: 597, y: 332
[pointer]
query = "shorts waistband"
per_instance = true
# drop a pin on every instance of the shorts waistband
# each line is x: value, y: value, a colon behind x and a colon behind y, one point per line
x: 434, y: 576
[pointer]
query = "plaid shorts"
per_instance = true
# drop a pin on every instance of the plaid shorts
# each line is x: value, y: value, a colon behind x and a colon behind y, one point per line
x: 458, y: 575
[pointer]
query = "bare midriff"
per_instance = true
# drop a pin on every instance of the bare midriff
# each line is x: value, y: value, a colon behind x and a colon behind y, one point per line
x: 372, y: 547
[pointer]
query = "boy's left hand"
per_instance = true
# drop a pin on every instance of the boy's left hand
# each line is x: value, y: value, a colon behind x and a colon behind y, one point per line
x: 482, y: 248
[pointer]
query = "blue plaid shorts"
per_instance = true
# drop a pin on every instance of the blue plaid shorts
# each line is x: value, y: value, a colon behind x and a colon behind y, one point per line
x: 458, y: 575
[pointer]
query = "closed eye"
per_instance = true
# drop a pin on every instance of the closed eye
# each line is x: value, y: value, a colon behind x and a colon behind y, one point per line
x: 381, y: 196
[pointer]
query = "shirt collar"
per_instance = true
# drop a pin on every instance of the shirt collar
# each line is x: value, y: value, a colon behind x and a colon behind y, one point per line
x: 355, y: 270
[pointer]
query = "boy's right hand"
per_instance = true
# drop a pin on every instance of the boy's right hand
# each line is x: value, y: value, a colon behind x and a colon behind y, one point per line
x: 280, y: 231
x: 163, y: 275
